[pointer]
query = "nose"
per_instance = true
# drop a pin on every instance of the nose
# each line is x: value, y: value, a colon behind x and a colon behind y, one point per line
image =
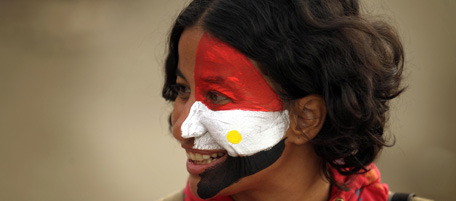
x: 181, y: 111
x: 192, y: 126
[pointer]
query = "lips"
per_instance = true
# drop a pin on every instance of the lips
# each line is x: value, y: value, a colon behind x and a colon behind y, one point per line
x: 199, y: 162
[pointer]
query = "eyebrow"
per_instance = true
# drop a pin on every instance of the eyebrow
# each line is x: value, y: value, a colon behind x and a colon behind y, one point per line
x: 213, y: 79
x: 179, y: 74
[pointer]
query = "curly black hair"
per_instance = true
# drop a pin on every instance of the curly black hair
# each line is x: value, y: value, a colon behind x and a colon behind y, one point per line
x: 307, y: 47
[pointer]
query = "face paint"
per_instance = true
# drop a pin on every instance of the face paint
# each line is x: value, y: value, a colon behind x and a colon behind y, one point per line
x: 234, y: 168
x: 254, y: 119
x: 235, y: 110
x: 223, y: 70
x: 239, y: 132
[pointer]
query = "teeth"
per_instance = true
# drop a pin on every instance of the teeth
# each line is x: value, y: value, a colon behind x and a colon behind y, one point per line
x: 200, y: 159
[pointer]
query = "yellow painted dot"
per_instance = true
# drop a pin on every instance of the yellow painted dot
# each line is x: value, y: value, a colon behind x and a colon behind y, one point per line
x: 234, y: 137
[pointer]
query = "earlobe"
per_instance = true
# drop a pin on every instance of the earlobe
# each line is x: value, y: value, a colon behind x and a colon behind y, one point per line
x: 306, y: 119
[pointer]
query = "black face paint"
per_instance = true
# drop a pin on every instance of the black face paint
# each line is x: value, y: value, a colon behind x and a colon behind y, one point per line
x: 235, y: 168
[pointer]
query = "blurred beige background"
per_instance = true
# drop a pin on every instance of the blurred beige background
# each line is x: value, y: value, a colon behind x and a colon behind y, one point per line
x: 81, y: 116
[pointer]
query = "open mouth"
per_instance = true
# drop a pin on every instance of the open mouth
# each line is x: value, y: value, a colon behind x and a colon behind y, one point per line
x: 202, y: 159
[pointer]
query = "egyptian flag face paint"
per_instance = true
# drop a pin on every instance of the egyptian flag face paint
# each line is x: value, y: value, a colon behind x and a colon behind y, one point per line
x: 235, y: 110
x: 251, y: 120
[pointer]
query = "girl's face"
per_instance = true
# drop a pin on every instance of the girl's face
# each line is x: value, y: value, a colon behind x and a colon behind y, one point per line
x: 226, y: 116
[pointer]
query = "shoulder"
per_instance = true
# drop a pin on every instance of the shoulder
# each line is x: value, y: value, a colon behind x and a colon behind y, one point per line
x: 364, y: 186
x: 176, y: 196
x: 367, y: 186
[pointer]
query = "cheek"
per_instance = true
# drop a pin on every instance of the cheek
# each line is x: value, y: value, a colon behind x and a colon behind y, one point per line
x: 176, y: 119
x: 180, y: 112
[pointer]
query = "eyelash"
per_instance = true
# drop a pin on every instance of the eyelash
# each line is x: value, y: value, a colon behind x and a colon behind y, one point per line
x: 217, y: 98
x: 181, y: 91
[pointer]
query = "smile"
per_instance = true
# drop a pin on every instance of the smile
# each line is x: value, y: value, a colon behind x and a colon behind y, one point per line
x: 201, y: 159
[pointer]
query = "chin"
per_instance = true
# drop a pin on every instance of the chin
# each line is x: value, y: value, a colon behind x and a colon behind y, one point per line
x: 193, y: 184
x: 228, y: 191
x: 228, y: 176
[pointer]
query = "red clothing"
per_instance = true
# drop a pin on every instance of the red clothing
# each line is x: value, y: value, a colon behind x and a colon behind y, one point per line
x: 363, y: 187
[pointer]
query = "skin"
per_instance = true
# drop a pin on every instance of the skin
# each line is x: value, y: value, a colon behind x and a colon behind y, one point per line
x: 298, y: 166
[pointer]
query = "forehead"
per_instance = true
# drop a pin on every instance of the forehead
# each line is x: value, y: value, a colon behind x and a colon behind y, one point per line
x: 222, y: 68
x: 210, y: 65
x: 220, y: 58
x: 188, y: 45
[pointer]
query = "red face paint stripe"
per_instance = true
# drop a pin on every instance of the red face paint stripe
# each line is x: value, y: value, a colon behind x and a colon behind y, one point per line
x: 222, y: 69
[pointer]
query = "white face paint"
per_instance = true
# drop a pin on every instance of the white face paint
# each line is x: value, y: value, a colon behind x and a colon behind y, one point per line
x: 239, y: 132
x: 235, y: 108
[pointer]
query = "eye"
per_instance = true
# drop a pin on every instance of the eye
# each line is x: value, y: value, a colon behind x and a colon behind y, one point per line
x: 217, y: 98
x: 181, y: 91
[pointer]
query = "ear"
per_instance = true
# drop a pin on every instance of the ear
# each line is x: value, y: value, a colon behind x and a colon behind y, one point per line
x: 306, y: 118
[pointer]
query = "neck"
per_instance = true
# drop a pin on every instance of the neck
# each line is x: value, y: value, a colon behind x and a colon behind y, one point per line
x: 295, y: 176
